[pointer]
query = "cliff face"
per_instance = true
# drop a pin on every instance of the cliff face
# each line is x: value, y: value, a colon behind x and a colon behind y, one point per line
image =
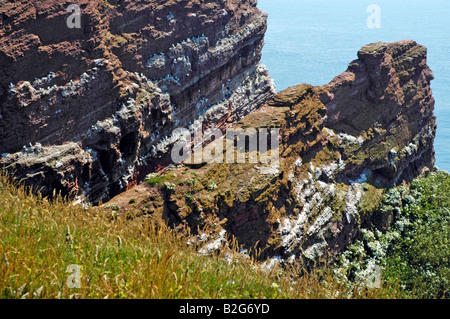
x: 375, y: 128
x: 341, y: 146
x: 386, y: 95
x: 91, y: 111
x: 86, y: 110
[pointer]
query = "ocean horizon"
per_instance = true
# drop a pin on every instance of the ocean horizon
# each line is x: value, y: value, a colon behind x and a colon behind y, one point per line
x: 312, y: 41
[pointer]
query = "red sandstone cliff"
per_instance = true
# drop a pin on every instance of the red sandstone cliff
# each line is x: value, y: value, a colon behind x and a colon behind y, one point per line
x: 86, y: 110
x: 83, y: 110
x: 341, y: 146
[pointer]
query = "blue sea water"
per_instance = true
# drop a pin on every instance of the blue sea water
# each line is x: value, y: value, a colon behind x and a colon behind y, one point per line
x: 312, y: 41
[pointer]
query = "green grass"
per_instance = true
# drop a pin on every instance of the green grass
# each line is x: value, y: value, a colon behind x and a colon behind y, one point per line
x: 154, y: 179
x: 123, y: 257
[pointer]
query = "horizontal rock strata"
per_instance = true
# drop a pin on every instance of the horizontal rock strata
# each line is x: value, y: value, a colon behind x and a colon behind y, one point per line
x: 111, y: 93
x: 341, y: 146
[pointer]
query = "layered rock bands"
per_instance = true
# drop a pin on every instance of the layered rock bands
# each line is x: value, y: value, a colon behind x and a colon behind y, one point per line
x: 86, y: 110
x: 89, y: 111
x: 341, y: 146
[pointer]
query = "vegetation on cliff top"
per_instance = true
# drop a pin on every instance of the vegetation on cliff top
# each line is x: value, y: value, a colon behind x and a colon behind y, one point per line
x: 123, y: 257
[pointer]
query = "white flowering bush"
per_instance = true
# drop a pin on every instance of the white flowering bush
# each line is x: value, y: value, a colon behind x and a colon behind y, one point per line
x: 416, y: 249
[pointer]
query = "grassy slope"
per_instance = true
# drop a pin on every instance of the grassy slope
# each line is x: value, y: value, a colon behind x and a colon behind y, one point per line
x: 123, y: 258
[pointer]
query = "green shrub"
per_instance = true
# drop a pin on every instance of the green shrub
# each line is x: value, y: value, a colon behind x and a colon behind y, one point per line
x: 189, y: 197
x: 169, y: 186
x: 192, y: 181
x: 153, y: 179
x: 115, y: 207
x: 416, y: 250
x: 421, y: 256
x: 212, y: 186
